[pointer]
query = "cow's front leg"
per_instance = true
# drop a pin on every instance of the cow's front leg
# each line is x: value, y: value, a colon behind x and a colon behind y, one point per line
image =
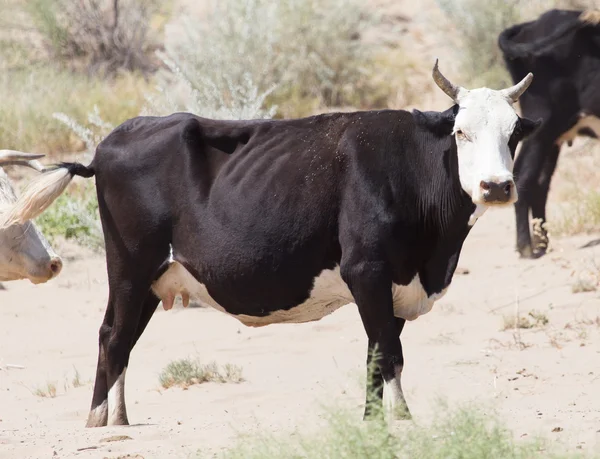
x: 371, y: 286
x: 375, y: 381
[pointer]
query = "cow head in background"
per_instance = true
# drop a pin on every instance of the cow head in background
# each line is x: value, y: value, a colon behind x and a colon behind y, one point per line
x: 24, y: 252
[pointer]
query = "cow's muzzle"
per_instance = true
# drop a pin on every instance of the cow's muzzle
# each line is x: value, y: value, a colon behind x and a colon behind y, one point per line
x: 497, y: 192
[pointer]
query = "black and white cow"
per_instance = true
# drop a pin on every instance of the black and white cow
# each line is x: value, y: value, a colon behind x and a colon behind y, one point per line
x: 285, y: 221
x: 562, y: 48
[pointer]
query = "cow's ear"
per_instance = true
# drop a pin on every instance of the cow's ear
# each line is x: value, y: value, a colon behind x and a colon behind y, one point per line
x: 528, y: 127
x: 440, y: 123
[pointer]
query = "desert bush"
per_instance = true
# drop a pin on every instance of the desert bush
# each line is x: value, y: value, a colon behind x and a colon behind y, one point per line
x: 297, y: 54
x: 466, y: 432
x: 221, y: 98
x: 103, y: 35
x: 476, y: 28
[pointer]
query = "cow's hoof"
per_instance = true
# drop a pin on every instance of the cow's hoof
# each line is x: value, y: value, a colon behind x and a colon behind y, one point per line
x: 539, y: 253
x: 98, y: 416
x: 525, y: 252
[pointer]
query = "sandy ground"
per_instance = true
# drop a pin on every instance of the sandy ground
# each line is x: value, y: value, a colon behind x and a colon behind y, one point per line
x: 542, y: 378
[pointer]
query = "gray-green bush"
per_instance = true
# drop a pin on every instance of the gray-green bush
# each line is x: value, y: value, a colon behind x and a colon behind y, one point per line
x: 98, y: 35
x: 307, y: 52
x: 477, y: 27
x: 466, y: 432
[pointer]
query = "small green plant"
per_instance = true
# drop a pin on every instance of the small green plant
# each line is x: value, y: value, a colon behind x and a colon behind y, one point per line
x: 46, y: 391
x: 187, y: 372
x: 76, y: 381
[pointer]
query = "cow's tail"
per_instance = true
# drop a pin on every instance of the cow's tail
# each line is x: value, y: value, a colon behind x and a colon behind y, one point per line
x: 43, y: 191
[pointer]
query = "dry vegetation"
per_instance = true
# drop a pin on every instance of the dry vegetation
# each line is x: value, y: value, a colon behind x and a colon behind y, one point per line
x: 187, y: 372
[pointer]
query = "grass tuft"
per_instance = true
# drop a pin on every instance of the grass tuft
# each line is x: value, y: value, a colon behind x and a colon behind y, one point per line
x: 76, y: 381
x: 46, y: 391
x: 187, y: 372
x: 533, y: 319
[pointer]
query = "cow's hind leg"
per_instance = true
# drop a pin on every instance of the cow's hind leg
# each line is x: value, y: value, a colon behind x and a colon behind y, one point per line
x: 130, y: 306
x: 538, y: 203
x: 371, y: 286
x: 115, y: 345
x: 525, y: 172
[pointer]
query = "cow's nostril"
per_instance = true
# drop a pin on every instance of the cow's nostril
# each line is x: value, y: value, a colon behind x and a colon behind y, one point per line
x: 508, y: 188
x: 56, y: 265
x: 485, y: 186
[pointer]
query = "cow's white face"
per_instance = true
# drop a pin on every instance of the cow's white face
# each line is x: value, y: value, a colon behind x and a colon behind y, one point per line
x: 487, y: 130
x: 24, y: 251
x: 483, y: 127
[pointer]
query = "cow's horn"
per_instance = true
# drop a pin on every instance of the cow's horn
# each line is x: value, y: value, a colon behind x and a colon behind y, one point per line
x: 18, y: 158
x: 514, y: 92
x: 445, y: 84
x: 10, y: 156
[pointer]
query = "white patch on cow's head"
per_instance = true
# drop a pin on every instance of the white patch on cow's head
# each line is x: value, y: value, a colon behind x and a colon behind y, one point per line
x: 483, y: 127
x: 24, y: 251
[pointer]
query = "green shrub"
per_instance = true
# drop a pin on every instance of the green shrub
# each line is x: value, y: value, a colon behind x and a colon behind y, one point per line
x: 466, y: 432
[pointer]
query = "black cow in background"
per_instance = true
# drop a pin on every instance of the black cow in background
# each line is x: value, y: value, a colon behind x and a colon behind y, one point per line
x: 562, y: 49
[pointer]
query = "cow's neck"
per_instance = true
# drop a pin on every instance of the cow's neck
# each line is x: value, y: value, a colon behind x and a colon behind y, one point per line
x: 446, y: 207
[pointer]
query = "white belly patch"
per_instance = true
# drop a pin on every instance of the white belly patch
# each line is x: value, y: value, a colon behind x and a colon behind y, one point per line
x: 588, y: 121
x: 328, y: 294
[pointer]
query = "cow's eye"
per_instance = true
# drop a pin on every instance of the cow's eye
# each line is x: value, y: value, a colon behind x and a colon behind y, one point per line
x: 460, y: 134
